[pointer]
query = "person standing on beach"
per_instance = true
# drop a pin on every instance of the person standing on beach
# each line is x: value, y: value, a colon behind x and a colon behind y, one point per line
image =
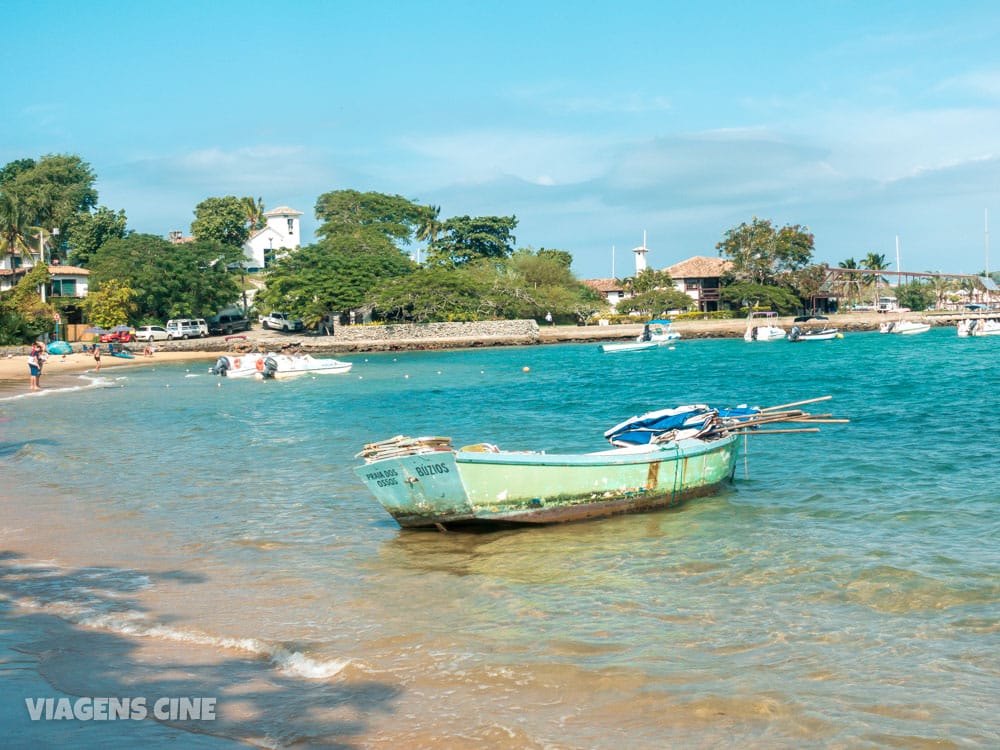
x: 34, y: 368
x: 97, y: 358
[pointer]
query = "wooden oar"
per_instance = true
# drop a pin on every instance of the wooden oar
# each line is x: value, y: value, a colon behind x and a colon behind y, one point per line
x: 774, y: 432
x: 797, y: 403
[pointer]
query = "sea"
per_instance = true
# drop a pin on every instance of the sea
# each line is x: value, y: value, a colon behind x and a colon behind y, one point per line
x: 190, y: 561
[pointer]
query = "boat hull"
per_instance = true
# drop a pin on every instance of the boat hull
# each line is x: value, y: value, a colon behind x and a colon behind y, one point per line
x: 764, y: 333
x: 448, y: 488
x: 629, y: 346
x: 978, y: 327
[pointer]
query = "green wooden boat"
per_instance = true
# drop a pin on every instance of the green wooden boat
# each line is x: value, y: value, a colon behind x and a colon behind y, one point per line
x: 425, y: 483
x: 658, y: 460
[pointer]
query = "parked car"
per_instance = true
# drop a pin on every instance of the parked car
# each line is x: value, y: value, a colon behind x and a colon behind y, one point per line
x: 281, y: 321
x: 121, y: 337
x: 226, y: 323
x: 151, y: 333
x: 186, y: 328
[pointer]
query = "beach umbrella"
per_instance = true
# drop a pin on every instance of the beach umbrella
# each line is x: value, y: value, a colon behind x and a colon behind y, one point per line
x: 94, y: 329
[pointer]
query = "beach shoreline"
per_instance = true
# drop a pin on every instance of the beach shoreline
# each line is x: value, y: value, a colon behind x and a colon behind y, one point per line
x: 14, y: 367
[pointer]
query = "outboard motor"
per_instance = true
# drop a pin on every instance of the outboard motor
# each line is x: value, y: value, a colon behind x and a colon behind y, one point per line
x: 270, y: 367
x: 794, y: 334
x: 221, y: 367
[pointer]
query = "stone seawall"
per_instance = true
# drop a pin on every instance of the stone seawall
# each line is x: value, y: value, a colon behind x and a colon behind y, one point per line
x: 436, y: 335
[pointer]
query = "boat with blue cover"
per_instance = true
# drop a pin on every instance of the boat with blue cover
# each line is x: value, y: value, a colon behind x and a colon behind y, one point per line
x: 657, y: 460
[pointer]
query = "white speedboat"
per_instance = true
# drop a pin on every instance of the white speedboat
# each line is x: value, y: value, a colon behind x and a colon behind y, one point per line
x: 628, y: 346
x: 978, y: 327
x: 660, y: 331
x: 283, y: 366
x: 239, y: 365
x: 904, y: 327
x: 273, y: 366
x: 654, y: 333
x: 823, y: 333
x: 761, y: 327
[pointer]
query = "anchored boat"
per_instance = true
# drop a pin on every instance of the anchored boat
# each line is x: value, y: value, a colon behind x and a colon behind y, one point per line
x: 276, y: 366
x: 659, y: 460
x: 761, y: 326
x: 654, y: 333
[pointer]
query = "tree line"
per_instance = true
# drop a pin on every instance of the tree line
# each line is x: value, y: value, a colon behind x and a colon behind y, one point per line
x: 383, y: 257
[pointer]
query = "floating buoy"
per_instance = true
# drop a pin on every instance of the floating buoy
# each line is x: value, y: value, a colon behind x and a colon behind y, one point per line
x: 525, y: 369
x: 406, y: 377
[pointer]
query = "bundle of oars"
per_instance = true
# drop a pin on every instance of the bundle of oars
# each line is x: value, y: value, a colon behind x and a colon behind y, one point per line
x: 772, y: 415
x: 403, y: 446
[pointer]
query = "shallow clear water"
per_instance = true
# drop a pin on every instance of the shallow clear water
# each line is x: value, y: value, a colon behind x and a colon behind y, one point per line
x: 209, y: 537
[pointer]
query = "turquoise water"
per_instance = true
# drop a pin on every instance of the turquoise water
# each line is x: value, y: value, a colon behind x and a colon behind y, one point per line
x: 187, y: 535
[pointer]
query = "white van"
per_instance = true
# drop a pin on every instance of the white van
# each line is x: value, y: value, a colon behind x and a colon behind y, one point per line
x: 186, y: 328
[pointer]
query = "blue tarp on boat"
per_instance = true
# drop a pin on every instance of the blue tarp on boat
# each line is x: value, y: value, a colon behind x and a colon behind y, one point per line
x: 646, y: 428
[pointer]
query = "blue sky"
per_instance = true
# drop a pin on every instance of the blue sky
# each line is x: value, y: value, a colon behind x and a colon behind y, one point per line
x: 591, y: 122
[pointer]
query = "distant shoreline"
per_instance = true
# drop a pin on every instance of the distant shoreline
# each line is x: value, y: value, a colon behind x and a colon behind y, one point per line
x: 14, y: 368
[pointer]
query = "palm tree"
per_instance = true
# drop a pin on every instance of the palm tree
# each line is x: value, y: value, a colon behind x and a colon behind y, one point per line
x: 851, y: 284
x: 255, y: 212
x: 429, y: 227
x: 941, y: 285
x: 875, y: 262
x: 15, y: 231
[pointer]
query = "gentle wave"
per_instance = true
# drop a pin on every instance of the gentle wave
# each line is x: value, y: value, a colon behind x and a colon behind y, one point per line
x: 133, y: 624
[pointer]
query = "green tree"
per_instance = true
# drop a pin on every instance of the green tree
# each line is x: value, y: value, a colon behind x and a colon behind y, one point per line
x: 15, y: 228
x: 331, y: 277
x: 656, y: 302
x: 349, y: 212
x: 23, y: 315
x: 850, y: 286
x: 466, y: 239
x: 170, y: 281
x: 87, y: 232
x: 254, y: 211
x: 915, y: 295
x: 111, y: 304
x: 222, y: 220
x: 430, y: 225
x: 875, y: 262
x: 52, y: 190
x: 941, y: 287
x: 760, y: 253
x: 435, y: 293
x: 776, y: 298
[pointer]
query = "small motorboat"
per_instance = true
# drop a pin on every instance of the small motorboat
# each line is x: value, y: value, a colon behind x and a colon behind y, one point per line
x: 283, y: 366
x: 654, y: 333
x: 629, y: 346
x: 821, y: 333
x: 904, y: 327
x: 272, y: 366
x: 761, y: 327
x: 978, y: 327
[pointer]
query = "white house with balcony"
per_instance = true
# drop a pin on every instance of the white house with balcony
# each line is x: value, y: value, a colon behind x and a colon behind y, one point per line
x: 281, y: 232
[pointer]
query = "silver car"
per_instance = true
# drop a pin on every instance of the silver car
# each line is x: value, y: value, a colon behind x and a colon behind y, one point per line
x: 152, y: 333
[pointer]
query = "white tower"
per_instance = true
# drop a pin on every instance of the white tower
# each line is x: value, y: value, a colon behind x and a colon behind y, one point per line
x: 640, y: 255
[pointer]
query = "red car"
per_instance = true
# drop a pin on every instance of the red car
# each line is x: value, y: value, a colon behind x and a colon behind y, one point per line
x: 124, y: 337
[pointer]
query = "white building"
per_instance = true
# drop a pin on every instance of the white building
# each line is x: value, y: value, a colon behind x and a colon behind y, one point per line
x: 280, y: 233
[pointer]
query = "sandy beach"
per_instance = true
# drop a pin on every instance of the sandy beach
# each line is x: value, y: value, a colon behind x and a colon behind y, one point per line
x: 58, y: 368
